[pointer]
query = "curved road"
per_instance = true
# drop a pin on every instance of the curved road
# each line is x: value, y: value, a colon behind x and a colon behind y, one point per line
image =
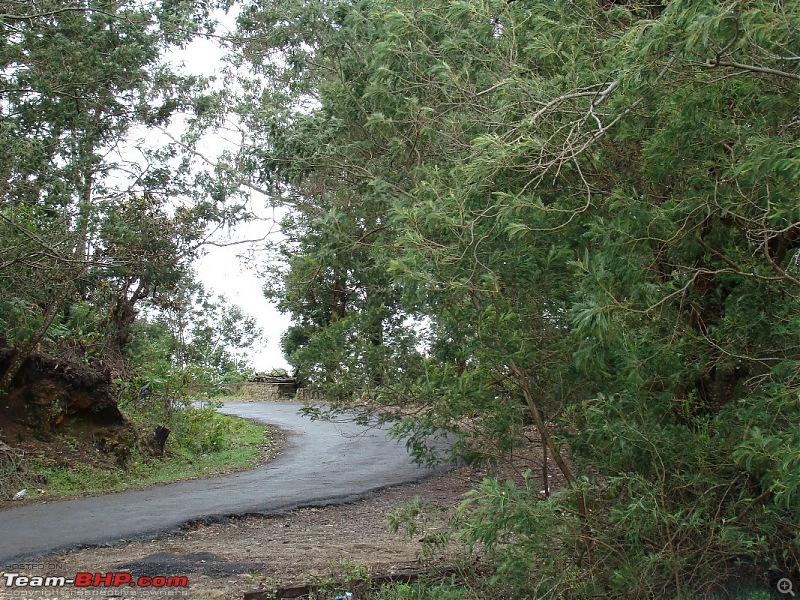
x: 322, y: 463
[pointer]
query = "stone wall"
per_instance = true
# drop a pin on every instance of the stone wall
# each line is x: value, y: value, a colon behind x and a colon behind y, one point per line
x: 264, y: 392
x: 306, y: 395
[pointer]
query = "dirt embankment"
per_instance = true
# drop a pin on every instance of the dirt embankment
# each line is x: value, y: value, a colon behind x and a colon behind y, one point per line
x: 47, y: 393
x: 49, y: 400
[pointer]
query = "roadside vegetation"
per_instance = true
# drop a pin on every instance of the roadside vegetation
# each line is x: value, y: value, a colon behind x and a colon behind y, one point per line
x: 105, y: 334
x: 576, y: 216
x: 174, y: 381
x: 459, y: 590
x: 202, y: 443
x: 177, y: 399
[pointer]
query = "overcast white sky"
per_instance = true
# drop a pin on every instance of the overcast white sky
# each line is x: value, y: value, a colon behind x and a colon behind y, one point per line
x: 221, y: 270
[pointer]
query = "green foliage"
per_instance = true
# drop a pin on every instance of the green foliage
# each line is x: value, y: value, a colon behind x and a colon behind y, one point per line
x: 202, y: 443
x: 62, y: 480
x: 343, y: 576
x: 528, y: 539
x: 649, y: 542
x: 12, y: 467
x: 187, y: 352
x: 349, y: 577
x: 203, y: 431
x: 425, y: 590
x: 577, y: 215
x: 90, y: 233
x: 420, y: 519
x: 17, y: 321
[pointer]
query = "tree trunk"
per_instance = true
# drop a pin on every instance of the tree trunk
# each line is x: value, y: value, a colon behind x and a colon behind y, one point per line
x: 566, y: 470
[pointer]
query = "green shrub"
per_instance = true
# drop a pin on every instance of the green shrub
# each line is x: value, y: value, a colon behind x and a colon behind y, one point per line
x: 426, y: 590
x: 203, y: 429
x: 684, y: 510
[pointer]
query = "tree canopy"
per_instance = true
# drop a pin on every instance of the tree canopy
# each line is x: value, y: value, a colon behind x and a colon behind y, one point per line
x: 100, y: 216
x: 575, y: 213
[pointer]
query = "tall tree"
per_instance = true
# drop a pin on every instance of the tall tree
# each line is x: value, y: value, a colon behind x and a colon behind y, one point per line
x: 82, y: 219
x: 592, y: 208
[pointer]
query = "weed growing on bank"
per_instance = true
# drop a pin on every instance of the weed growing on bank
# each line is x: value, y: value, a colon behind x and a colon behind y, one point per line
x: 201, y: 443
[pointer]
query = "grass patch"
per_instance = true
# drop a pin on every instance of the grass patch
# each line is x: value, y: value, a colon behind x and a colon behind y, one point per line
x: 202, y: 443
x: 423, y: 590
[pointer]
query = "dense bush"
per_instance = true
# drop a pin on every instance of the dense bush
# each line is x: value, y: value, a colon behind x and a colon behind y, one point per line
x: 577, y: 215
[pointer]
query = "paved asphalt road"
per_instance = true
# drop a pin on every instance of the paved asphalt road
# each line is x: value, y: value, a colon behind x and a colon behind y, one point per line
x: 322, y: 463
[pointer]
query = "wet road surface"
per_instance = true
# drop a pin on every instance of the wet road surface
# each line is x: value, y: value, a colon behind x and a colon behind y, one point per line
x: 322, y: 463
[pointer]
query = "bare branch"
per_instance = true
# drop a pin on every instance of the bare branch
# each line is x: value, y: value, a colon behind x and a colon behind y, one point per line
x: 711, y: 64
